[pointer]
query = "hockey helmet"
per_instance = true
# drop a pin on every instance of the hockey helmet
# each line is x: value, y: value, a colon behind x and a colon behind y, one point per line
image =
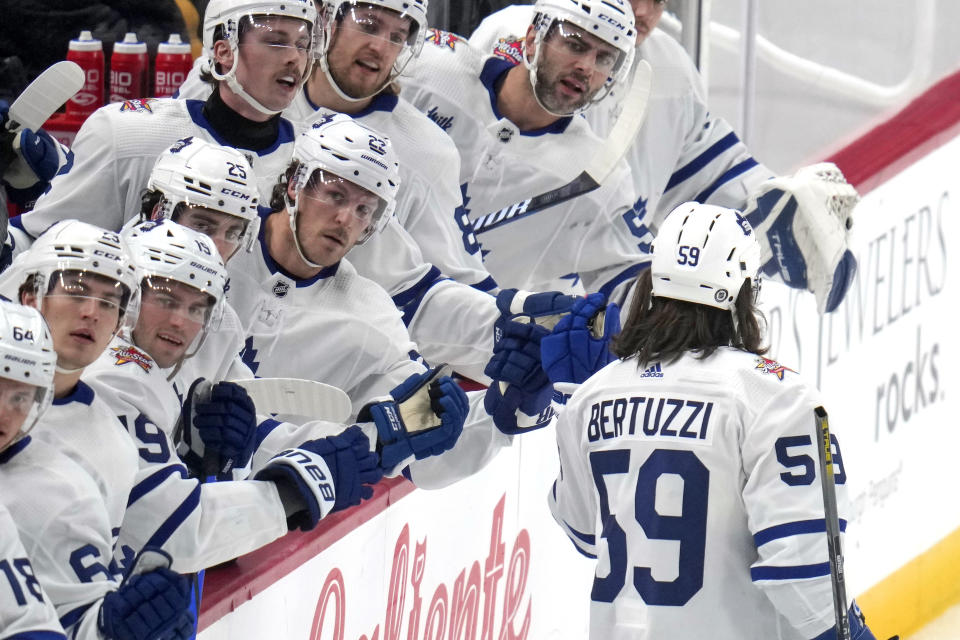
x: 227, y: 14
x: 26, y: 356
x: 198, y: 173
x: 703, y: 254
x: 334, y: 12
x: 342, y: 147
x: 71, y: 245
x: 611, y: 21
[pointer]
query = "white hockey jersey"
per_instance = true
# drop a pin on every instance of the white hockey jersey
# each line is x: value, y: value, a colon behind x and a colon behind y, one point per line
x: 199, y: 525
x: 682, y: 152
x: 343, y: 330
x: 63, y: 525
x: 428, y: 241
x: 25, y: 610
x: 114, y: 153
x: 696, y: 486
x: 501, y: 167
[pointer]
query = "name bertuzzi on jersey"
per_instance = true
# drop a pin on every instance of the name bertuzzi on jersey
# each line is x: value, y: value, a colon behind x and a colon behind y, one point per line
x: 649, y: 416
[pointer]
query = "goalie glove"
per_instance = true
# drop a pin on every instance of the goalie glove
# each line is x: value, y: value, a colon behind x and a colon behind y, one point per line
x: 521, y: 390
x: 579, y: 345
x: 423, y: 417
x: 803, y: 223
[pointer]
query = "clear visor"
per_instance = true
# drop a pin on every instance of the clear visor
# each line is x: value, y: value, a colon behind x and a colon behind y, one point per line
x: 280, y: 37
x: 331, y: 190
x: 568, y: 41
x: 398, y: 30
x: 19, y: 408
x: 224, y: 229
x: 188, y: 305
x: 85, y: 289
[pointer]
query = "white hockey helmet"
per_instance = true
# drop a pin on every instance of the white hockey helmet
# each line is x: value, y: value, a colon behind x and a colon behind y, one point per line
x: 198, y: 173
x: 343, y: 147
x: 609, y: 20
x: 166, y: 251
x: 27, y: 356
x: 227, y: 14
x: 71, y: 245
x: 703, y: 254
x: 334, y: 10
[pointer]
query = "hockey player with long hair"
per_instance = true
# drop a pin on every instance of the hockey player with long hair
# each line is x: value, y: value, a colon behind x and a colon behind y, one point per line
x: 688, y: 466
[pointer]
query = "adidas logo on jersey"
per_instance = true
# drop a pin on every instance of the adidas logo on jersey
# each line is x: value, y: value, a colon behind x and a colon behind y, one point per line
x: 653, y: 372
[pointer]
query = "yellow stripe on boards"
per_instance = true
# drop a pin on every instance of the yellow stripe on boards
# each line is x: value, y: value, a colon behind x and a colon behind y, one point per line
x: 191, y: 19
x: 917, y: 593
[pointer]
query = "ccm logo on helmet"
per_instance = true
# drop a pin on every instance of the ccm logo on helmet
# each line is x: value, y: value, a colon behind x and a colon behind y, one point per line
x: 235, y: 194
x: 611, y: 20
x: 106, y: 254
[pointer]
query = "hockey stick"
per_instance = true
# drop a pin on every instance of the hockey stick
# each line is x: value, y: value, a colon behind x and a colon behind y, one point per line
x: 44, y: 96
x: 598, y: 169
x: 827, y: 482
x: 297, y: 397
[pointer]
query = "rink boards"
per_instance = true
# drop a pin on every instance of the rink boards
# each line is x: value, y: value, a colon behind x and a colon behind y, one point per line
x: 483, y: 558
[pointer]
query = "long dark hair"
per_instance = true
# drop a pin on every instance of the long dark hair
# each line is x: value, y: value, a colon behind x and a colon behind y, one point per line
x: 661, y: 329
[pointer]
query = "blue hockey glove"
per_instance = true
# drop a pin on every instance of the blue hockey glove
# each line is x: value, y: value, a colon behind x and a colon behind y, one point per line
x: 28, y: 160
x: 222, y: 428
x: 423, y: 417
x: 323, y: 476
x: 150, y: 604
x: 544, y: 309
x: 858, y: 627
x: 573, y: 352
x: 520, y: 383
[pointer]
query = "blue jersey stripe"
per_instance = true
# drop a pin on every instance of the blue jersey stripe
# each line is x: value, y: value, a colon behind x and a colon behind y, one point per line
x: 73, y: 616
x: 727, y: 176
x: 627, y: 274
x: 793, y: 529
x: 154, y: 480
x: 163, y: 533
x: 264, y: 429
x: 705, y: 158
x: 487, y: 284
x: 796, y: 572
x: 37, y: 635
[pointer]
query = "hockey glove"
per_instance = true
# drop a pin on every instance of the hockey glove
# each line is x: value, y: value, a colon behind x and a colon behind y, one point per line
x: 803, y: 223
x: 152, y: 602
x: 222, y: 428
x: 423, y: 417
x: 28, y: 160
x: 545, y: 309
x: 323, y: 475
x: 521, y: 389
x: 858, y: 627
x: 579, y: 346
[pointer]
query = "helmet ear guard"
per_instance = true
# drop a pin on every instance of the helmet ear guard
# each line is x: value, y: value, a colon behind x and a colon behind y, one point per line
x: 703, y: 254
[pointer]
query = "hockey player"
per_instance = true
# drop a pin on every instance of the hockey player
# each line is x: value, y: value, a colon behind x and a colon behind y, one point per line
x: 516, y: 134
x: 689, y: 467
x: 58, y: 511
x: 80, y: 277
x: 684, y: 152
x: 261, y: 53
x: 311, y: 316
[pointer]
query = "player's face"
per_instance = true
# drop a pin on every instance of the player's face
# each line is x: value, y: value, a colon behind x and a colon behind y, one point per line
x: 226, y: 231
x: 573, y: 66
x: 16, y: 400
x: 171, y: 316
x: 83, y: 311
x: 274, y: 54
x: 365, y: 43
x: 333, y: 214
x: 647, y: 14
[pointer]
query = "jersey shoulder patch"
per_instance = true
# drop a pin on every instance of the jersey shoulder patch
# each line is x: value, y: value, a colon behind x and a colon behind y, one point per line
x: 509, y: 48
x: 127, y: 354
x: 768, y: 366
x: 443, y: 39
x: 142, y: 105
